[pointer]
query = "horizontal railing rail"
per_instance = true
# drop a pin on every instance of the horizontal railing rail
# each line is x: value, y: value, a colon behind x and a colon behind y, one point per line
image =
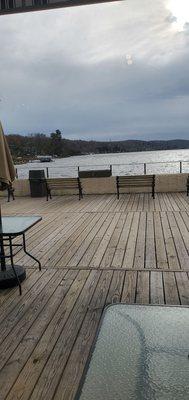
x: 133, y: 167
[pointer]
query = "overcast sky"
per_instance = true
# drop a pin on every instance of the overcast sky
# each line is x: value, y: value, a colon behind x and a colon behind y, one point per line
x: 108, y: 71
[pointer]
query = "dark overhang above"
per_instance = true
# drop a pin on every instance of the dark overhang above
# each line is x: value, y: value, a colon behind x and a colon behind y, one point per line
x: 19, y: 6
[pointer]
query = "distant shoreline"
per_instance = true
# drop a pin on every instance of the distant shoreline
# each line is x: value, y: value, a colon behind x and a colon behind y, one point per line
x: 28, y: 147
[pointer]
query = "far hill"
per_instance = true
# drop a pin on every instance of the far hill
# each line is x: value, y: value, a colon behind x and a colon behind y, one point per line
x: 40, y: 144
x: 83, y: 147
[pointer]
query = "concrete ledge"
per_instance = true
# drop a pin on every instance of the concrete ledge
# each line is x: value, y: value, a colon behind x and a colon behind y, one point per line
x: 164, y: 183
x: 21, y: 186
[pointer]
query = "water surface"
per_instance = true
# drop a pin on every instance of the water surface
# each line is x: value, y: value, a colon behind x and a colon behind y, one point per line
x: 158, y: 162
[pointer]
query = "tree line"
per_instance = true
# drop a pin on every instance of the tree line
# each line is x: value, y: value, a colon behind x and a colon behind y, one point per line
x: 29, y: 146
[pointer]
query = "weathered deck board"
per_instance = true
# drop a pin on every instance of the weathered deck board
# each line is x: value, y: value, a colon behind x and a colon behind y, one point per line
x: 94, y: 252
x: 103, y: 203
x: 101, y: 231
x: 43, y: 355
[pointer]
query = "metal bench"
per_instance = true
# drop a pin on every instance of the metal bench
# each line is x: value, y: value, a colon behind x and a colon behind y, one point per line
x: 135, y: 181
x: 66, y: 183
x: 187, y: 186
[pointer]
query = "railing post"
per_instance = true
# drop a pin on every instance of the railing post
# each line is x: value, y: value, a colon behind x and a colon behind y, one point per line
x: 180, y: 167
x: 144, y: 168
x: 16, y: 170
x: 47, y: 172
x: 111, y: 169
x: 78, y: 171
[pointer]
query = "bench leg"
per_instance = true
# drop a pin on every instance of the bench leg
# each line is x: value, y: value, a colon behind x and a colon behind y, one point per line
x: 10, y: 193
x: 49, y: 194
x: 153, y: 187
x: 80, y: 193
x: 79, y: 187
x: 117, y: 186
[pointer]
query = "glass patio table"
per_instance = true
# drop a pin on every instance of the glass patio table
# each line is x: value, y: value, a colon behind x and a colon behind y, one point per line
x: 11, y: 227
x: 140, y: 353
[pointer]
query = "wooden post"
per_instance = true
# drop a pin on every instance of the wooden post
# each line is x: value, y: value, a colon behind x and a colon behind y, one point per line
x: 144, y: 168
x: 180, y: 167
x: 47, y: 172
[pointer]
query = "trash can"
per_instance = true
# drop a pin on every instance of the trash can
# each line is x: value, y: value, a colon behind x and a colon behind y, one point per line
x: 37, y: 183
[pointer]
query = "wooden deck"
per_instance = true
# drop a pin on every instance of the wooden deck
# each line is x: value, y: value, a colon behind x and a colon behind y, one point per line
x: 135, y: 232
x: 94, y: 252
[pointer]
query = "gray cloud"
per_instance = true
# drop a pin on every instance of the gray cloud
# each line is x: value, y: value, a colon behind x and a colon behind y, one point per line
x: 69, y: 69
x: 171, y: 18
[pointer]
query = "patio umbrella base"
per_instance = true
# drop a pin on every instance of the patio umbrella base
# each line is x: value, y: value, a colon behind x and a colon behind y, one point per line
x: 8, y: 278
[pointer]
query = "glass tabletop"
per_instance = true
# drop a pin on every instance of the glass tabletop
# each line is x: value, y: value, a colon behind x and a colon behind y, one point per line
x: 141, y: 353
x: 15, y: 225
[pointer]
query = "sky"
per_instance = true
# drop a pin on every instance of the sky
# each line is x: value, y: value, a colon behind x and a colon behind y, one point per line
x: 111, y: 71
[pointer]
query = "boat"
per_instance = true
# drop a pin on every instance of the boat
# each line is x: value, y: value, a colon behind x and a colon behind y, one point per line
x: 44, y: 158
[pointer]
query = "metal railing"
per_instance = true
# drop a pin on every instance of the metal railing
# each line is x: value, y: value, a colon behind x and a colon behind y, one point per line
x: 181, y: 166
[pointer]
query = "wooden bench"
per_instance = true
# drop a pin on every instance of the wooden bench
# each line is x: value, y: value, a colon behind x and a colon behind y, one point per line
x: 187, y: 186
x: 66, y: 183
x: 135, y: 181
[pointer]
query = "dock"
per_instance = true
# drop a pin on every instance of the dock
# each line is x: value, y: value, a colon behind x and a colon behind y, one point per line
x: 94, y: 252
